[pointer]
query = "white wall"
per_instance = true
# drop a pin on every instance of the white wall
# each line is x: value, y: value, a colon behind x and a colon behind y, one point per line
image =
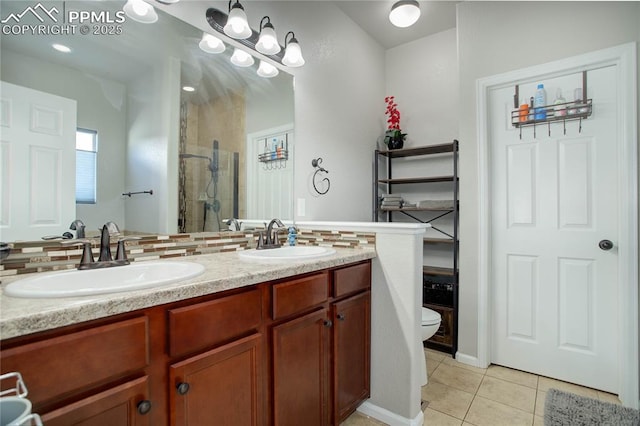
x: 489, y: 43
x: 101, y: 107
x: 423, y: 77
x: 152, y: 150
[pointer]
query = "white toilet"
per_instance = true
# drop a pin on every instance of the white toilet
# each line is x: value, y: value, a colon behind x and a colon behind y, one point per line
x: 429, y: 325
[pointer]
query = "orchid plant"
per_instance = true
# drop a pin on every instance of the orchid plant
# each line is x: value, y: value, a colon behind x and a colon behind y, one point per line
x: 394, y: 138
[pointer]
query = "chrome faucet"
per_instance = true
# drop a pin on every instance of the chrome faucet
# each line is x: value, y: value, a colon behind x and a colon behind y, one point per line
x: 78, y: 226
x: 270, y: 240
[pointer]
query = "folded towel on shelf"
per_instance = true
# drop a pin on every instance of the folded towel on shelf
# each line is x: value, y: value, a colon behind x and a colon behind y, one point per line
x: 435, y: 204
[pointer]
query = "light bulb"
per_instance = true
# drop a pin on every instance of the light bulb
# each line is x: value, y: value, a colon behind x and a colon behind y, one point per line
x: 211, y: 44
x: 293, y: 55
x: 268, y: 42
x: 237, y: 25
x: 267, y: 70
x: 241, y: 58
x: 140, y: 11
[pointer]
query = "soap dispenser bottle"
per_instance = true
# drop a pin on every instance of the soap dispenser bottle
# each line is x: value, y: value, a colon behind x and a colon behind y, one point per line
x: 559, y: 109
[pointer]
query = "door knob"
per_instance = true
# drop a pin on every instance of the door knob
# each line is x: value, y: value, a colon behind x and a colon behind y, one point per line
x: 605, y: 245
x: 144, y: 407
x: 183, y: 388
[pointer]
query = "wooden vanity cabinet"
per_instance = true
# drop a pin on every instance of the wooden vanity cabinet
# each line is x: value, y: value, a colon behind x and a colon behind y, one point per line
x: 290, y: 352
x: 320, y: 346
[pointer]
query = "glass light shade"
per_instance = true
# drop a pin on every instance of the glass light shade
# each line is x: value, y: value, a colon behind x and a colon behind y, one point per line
x: 240, y: 58
x: 237, y: 25
x: 211, y: 44
x: 267, y: 70
x: 140, y: 11
x: 293, y: 54
x: 268, y: 42
x: 61, y: 48
x: 404, y: 13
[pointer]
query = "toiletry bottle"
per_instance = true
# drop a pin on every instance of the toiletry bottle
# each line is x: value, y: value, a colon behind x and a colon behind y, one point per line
x: 559, y: 110
x: 523, y: 110
x: 274, y: 147
x: 531, y: 115
x: 539, y: 102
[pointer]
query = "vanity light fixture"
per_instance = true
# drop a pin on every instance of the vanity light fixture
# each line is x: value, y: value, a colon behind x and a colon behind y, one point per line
x: 241, y: 58
x: 211, y: 44
x: 140, y: 11
x: 404, y: 13
x: 267, y: 42
x: 290, y: 55
x: 292, y: 52
x: 267, y: 70
x: 61, y: 48
x: 237, y: 26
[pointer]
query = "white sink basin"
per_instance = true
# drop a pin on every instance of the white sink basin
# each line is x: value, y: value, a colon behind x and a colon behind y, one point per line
x: 107, y: 280
x: 287, y: 253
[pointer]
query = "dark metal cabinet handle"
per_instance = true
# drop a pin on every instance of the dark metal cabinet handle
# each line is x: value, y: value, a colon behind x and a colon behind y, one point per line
x: 605, y: 244
x: 341, y: 317
x: 183, y: 388
x: 144, y: 406
x: 328, y: 323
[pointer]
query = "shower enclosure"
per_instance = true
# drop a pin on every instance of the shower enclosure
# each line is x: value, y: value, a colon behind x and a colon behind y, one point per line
x: 208, y: 187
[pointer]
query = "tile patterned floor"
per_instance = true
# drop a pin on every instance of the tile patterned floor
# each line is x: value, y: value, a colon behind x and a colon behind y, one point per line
x: 461, y: 395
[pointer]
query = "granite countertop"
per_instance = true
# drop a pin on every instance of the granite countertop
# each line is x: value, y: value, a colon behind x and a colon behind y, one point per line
x: 223, y: 271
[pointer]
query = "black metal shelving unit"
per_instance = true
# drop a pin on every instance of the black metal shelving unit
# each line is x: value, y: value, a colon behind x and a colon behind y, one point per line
x: 440, y: 285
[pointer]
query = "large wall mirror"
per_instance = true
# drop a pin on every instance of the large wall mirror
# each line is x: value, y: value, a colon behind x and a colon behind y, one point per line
x: 220, y: 151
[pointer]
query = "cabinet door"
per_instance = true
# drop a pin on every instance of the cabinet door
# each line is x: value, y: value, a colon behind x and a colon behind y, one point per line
x: 124, y: 405
x: 222, y: 386
x: 351, y: 353
x: 300, y: 375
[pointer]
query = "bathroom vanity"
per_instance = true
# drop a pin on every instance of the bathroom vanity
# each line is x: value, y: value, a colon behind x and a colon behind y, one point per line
x: 266, y: 345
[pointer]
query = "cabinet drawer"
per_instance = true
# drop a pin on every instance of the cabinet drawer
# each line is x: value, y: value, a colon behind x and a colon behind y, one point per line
x: 351, y: 279
x: 206, y: 324
x: 62, y: 365
x: 297, y: 295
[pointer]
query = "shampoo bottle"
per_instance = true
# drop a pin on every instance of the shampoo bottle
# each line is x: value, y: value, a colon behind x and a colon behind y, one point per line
x: 559, y: 109
x: 523, y: 110
x: 539, y: 102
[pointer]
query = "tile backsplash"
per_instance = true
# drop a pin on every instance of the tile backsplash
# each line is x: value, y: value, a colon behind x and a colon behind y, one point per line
x: 40, y: 256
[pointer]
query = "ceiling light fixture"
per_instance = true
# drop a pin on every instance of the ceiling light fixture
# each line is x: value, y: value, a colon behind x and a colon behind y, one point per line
x: 188, y: 88
x: 241, y: 58
x: 404, y: 13
x: 140, y: 11
x: 267, y: 70
x: 211, y: 44
x: 267, y: 42
x: 61, y: 48
x: 237, y: 26
x: 292, y: 52
x: 168, y: 1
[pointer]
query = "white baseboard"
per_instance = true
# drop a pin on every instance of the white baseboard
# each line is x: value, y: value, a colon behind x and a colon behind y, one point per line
x: 388, y: 417
x: 469, y: 360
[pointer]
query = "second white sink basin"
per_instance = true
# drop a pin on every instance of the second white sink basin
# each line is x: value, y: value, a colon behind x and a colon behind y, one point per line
x: 135, y: 276
x: 287, y: 253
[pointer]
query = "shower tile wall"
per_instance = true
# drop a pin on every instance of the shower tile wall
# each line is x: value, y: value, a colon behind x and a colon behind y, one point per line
x: 206, y: 122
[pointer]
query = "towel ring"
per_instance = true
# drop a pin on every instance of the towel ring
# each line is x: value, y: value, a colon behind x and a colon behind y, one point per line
x: 319, y: 169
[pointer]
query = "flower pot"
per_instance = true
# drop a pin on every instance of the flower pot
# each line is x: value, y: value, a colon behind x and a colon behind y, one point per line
x: 396, y: 142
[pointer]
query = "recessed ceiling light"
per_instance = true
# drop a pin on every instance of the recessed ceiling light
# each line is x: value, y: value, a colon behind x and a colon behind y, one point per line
x: 188, y: 89
x: 61, y: 48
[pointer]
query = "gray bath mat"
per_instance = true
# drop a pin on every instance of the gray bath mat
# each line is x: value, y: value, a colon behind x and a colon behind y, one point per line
x: 567, y: 409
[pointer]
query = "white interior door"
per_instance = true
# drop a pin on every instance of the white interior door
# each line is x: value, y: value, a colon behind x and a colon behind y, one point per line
x: 554, y: 198
x: 270, y: 183
x: 37, y: 160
